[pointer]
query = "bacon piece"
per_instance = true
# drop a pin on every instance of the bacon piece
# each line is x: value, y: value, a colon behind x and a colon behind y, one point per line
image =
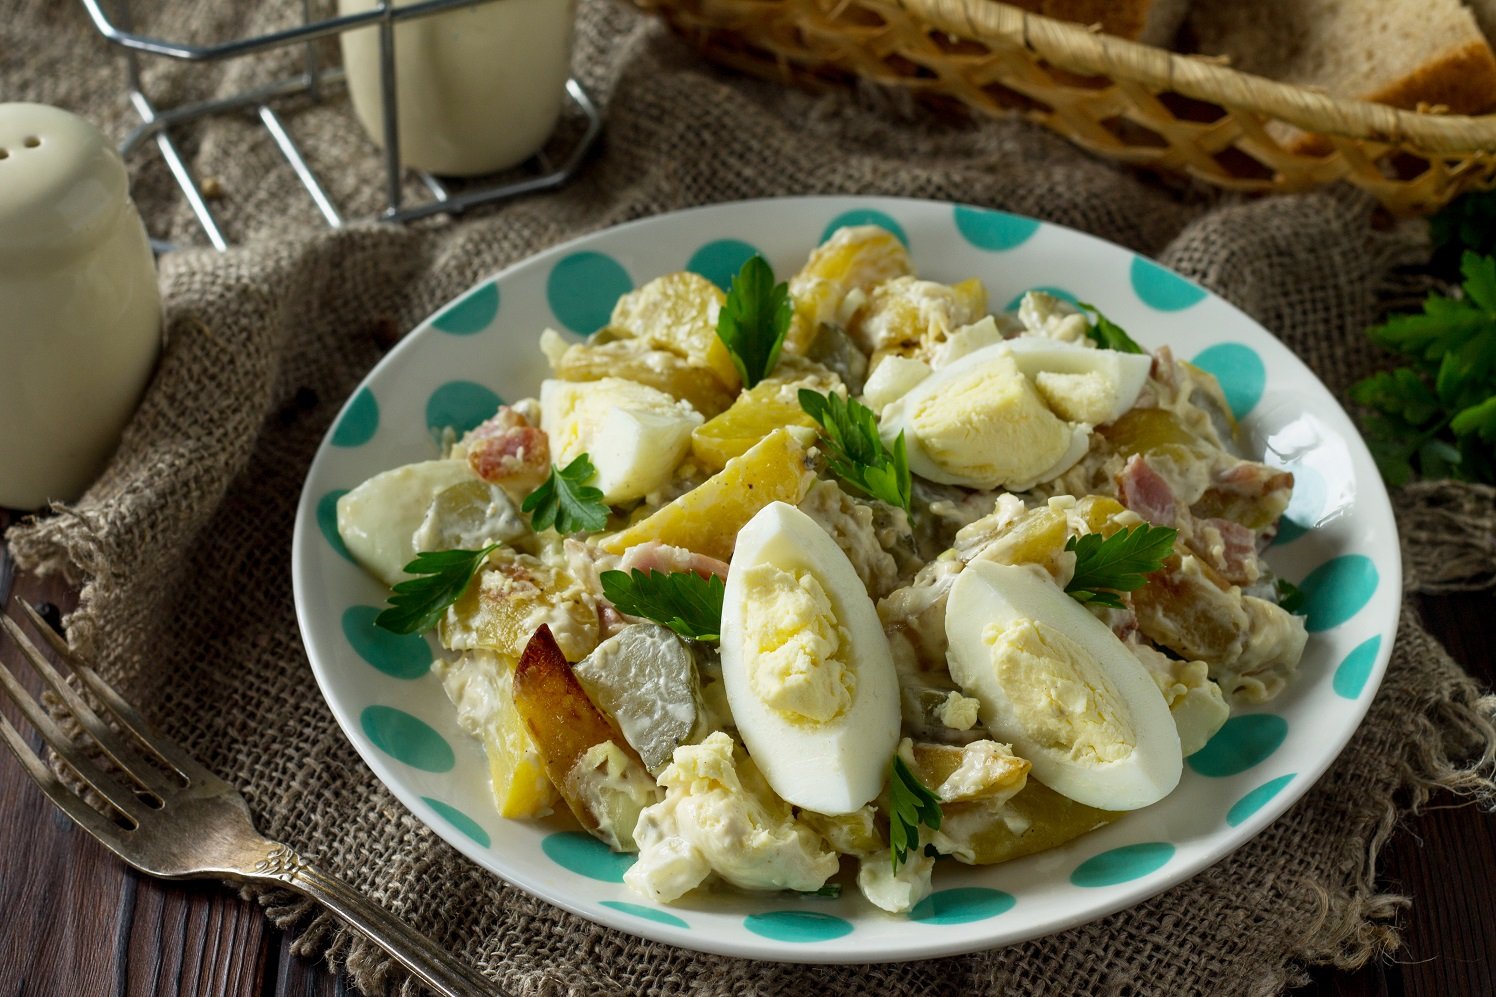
x: 1237, y: 560
x: 509, y: 452
x: 1145, y: 492
x: 655, y: 556
x: 1253, y: 479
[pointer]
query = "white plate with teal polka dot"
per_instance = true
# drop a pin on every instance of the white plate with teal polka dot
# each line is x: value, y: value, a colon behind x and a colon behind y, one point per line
x: 1338, y: 544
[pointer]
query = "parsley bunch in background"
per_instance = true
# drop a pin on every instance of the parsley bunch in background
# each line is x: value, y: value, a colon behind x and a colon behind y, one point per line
x: 1436, y: 416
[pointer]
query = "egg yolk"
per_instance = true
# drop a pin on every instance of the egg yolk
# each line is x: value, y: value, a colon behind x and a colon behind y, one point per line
x: 1059, y: 692
x: 798, y: 662
x: 989, y: 425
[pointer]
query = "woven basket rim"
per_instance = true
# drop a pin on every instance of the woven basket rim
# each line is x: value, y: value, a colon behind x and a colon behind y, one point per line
x: 1080, y: 49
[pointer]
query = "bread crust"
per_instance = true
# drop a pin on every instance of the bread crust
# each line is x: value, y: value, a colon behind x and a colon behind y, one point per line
x: 1462, y: 79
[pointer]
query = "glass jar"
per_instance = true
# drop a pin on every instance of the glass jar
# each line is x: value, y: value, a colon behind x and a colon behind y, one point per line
x: 478, y: 89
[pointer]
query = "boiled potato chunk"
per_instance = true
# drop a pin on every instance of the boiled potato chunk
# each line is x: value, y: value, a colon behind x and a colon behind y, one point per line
x: 855, y: 258
x: 763, y: 408
x: 707, y: 518
x: 600, y: 784
x: 521, y: 787
x: 678, y: 313
x: 1035, y: 819
x: 637, y: 360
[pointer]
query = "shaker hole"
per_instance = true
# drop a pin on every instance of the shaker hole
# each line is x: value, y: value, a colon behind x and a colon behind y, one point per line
x: 31, y: 142
x: 4, y: 153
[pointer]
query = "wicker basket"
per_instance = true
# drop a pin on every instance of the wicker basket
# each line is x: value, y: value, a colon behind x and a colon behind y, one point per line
x: 1132, y: 102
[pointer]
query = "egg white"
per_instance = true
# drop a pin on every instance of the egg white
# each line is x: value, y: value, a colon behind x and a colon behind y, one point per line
x: 835, y: 766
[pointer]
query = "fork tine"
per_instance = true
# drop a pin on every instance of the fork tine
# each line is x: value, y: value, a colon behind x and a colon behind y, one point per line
x: 66, y: 800
x: 129, y: 761
x: 163, y: 748
x: 118, y: 796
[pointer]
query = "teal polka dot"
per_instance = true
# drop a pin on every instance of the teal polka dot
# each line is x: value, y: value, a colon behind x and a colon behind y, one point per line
x: 586, y: 856
x: 1240, y: 371
x: 407, y: 739
x: 648, y: 913
x: 1352, y: 673
x: 720, y: 261
x: 327, y: 521
x: 460, y: 405
x: 1121, y: 865
x: 1162, y: 288
x: 1241, y: 743
x: 995, y: 231
x: 960, y: 906
x: 460, y: 820
x: 1336, y: 590
x: 1305, y: 508
x: 1257, y: 799
x: 359, y: 421
x: 403, y: 656
x: 1058, y: 292
x: 472, y: 314
x: 865, y: 216
x: 583, y: 288
x: 797, y: 926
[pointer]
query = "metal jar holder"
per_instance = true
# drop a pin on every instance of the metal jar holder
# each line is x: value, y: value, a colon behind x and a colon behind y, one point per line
x: 316, y: 80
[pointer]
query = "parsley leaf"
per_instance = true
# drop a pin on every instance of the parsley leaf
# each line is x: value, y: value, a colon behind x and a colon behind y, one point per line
x: 857, y: 453
x: 1109, y: 335
x: 1436, y: 415
x: 416, y: 604
x: 754, y: 319
x: 832, y: 891
x: 1290, y: 596
x: 566, y: 501
x: 1469, y: 221
x: 681, y: 600
x: 1120, y: 562
x: 910, y: 804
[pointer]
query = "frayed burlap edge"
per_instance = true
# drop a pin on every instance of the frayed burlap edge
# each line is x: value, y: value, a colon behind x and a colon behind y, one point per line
x: 1448, y: 531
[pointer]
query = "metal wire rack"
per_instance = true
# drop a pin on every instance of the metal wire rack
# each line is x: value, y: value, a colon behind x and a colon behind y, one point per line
x: 546, y: 170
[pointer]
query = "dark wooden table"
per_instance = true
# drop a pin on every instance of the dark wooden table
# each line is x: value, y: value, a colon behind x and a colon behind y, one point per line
x: 75, y: 922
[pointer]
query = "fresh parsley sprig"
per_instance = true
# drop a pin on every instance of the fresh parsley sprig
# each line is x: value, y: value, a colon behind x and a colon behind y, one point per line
x: 754, y: 319
x: 566, y: 501
x: 857, y: 453
x: 416, y: 604
x: 1436, y: 416
x: 1290, y: 596
x: 681, y: 600
x: 910, y: 804
x: 1109, y: 335
x: 1121, y: 562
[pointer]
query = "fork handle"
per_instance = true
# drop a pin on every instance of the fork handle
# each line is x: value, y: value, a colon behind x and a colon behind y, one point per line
x: 433, y: 966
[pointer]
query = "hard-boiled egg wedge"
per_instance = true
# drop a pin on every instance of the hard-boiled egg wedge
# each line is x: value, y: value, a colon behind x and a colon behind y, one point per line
x: 1010, y: 415
x: 980, y: 423
x: 635, y: 435
x: 807, y: 668
x: 1081, y: 384
x: 1057, y: 684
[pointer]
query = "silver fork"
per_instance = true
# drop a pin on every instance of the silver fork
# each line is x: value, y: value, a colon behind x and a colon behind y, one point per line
x: 173, y: 818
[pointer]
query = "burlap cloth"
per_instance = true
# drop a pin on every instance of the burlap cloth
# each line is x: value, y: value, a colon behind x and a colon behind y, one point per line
x: 182, y: 549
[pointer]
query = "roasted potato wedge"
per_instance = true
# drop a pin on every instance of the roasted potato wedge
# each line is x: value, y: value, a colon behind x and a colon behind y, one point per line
x: 589, y: 762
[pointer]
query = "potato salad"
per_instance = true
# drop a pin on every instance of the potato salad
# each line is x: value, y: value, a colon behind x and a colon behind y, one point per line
x: 793, y: 585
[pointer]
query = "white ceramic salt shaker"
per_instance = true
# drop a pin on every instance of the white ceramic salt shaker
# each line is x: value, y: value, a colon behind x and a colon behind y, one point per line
x: 80, y: 313
x: 478, y: 89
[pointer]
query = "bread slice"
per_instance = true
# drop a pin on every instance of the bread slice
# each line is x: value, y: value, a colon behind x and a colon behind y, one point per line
x: 1405, y: 53
x: 1153, y: 22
